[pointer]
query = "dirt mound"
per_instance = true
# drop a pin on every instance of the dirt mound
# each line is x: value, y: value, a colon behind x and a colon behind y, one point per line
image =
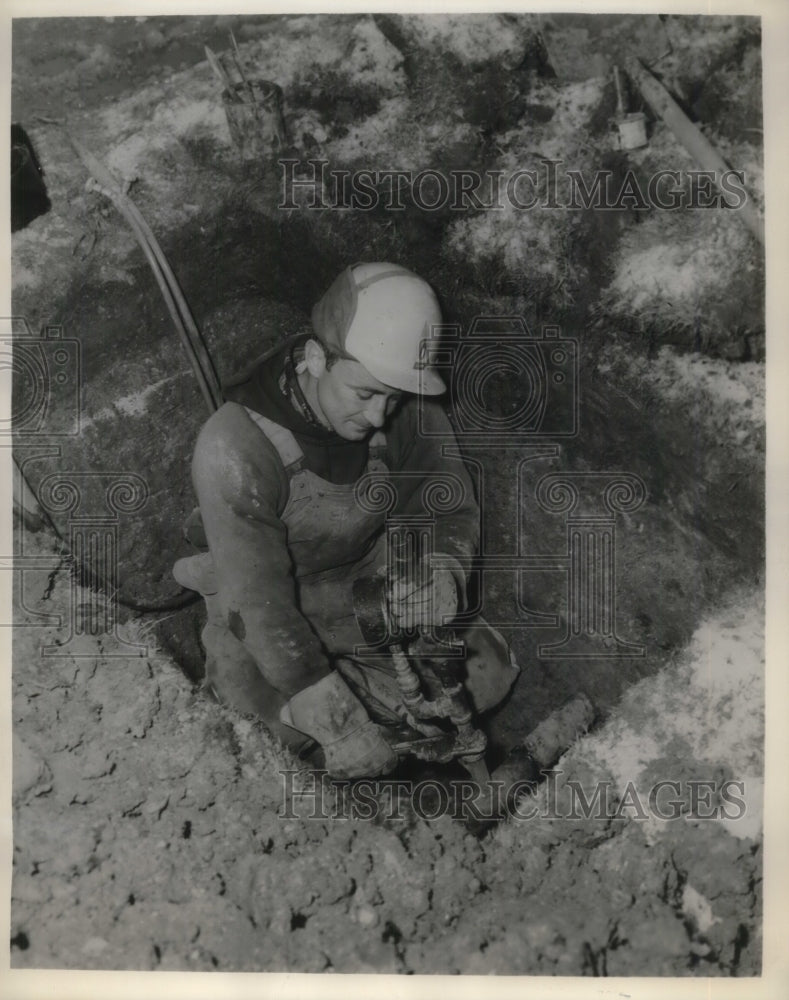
x: 156, y: 830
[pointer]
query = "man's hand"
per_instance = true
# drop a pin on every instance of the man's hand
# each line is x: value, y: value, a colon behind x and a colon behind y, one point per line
x: 429, y: 598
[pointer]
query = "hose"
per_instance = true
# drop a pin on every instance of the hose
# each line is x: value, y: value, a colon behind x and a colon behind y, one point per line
x: 191, y: 340
x: 190, y: 336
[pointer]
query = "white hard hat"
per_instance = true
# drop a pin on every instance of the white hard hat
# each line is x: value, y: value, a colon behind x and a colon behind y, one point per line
x: 379, y: 315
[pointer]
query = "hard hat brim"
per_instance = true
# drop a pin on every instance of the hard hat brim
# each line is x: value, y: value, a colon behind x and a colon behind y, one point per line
x: 420, y: 381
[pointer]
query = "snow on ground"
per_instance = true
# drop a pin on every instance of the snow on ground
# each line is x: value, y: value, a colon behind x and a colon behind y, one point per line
x: 528, y: 240
x: 674, y: 274
x: 472, y: 38
x: 726, y: 397
x: 710, y: 703
x: 146, y: 817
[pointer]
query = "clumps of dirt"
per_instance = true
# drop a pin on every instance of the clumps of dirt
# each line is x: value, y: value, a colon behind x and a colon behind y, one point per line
x: 337, y: 100
x: 726, y: 397
x: 680, y: 766
x: 122, y: 819
x: 156, y: 830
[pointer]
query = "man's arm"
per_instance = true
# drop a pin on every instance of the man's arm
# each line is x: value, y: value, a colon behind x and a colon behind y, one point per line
x: 241, y: 488
x: 420, y: 452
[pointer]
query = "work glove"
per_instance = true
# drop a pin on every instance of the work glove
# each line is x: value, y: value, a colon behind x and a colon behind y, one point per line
x: 353, y: 745
x: 425, y: 599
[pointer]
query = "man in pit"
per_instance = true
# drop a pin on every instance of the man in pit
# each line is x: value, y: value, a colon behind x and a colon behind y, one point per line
x: 276, y: 471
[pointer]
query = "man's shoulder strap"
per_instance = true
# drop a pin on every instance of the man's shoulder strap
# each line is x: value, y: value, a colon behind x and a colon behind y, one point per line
x: 288, y: 448
x: 284, y: 441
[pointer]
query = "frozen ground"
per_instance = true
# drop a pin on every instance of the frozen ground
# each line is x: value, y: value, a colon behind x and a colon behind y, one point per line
x: 146, y: 833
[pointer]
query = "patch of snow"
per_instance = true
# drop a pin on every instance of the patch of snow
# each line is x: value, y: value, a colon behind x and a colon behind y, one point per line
x: 127, y: 159
x: 711, y: 705
x: 522, y: 240
x: 675, y: 269
x: 357, y: 49
x: 734, y: 391
x: 133, y: 405
x: 746, y: 819
x: 25, y: 277
x: 625, y: 751
x: 725, y: 673
x: 373, y: 59
x: 380, y: 138
x: 698, y: 908
x: 472, y: 38
x: 649, y: 275
x: 532, y: 240
x: 183, y: 115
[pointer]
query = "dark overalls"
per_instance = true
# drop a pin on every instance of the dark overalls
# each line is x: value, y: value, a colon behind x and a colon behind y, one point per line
x: 332, y: 541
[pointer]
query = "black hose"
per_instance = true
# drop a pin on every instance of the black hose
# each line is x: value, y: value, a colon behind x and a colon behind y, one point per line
x: 188, y: 332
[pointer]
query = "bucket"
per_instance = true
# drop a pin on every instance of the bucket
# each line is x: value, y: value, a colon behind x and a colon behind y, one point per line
x: 254, y: 116
x: 632, y: 130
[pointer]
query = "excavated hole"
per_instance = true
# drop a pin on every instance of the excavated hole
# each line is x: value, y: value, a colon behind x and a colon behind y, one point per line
x: 249, y: 281
x: 537, y: 905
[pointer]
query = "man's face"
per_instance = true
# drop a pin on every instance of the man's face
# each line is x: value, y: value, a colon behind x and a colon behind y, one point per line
x: 352, y: 401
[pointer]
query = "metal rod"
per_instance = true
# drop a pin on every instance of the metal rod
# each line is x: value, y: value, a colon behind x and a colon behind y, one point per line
x: 620, y: 104
x: 219, y: 70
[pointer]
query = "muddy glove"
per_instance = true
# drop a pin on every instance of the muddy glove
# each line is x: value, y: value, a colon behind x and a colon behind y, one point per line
x: 332, y: 714
x: 427, y: 598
